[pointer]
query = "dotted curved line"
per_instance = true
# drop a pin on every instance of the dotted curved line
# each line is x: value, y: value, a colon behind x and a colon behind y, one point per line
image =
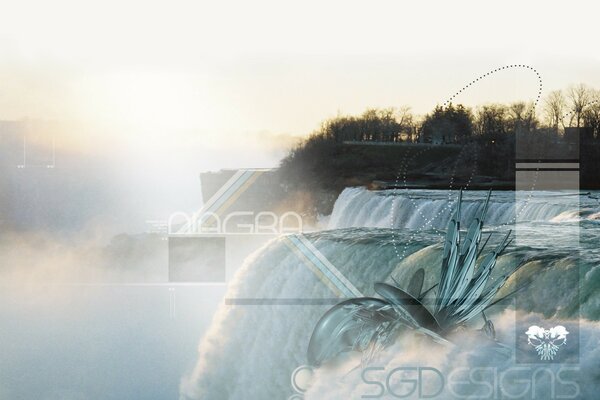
x: 427, y: 220
x: 447, y: 206
x: 537, y: 170
x: 539, y: 95
x: 573, y: 111
x: 403, y: 169
x: 405, y: 184
x: 535, y: 104
x: 404, y: 164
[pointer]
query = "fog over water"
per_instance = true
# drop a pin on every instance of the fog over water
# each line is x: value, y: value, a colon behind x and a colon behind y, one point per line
x: 90, y: 314
x: 555, y: 241
x: 85, y: 302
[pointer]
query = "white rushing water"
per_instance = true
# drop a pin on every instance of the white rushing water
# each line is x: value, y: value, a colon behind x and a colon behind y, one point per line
x: 250, y: 350
x: 424, y: 209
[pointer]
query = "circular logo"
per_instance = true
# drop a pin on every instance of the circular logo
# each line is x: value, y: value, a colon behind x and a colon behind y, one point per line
x: 301, y: 378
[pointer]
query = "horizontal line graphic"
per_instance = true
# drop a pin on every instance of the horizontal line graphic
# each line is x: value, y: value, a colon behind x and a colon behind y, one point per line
x: 547, y: 169
x: 260, y: 301
x: 556, y: 165
x: 546, y: 160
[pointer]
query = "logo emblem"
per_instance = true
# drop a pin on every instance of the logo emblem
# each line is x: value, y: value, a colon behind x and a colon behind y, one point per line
x: 301, y: 379
x: 547, y: 342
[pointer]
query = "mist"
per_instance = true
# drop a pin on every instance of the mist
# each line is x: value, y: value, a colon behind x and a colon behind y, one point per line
x: 87, y: 306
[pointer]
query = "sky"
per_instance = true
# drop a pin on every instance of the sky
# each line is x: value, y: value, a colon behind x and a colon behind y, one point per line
x: 136, y: 98
x: 149, y: 94
x: 269, y: 66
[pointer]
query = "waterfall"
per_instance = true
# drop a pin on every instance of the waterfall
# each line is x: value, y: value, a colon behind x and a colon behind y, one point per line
x: 427, y: 209
x: 260, y: 345
x: 250, y: 351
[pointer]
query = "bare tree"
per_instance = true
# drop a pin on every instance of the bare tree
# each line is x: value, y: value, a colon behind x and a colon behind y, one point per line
x: 522, y: 115
x: 492, y: 120
x: 591, y: 115
x: 579, y: 97
x: 407, y: 122
x: 404, y: 116
x: 554, y: 108
x: 517, y: 111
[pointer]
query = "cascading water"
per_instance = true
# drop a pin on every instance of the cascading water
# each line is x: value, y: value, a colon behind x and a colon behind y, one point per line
x: 425, y: 209
x: 252, y: 342
x: 251, y: 349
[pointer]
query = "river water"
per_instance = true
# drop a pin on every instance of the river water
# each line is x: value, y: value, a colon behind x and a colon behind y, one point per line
x: 250, y: 351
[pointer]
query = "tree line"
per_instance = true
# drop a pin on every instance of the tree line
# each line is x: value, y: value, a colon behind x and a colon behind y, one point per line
x: 481, y: 144
x: 577, y: 106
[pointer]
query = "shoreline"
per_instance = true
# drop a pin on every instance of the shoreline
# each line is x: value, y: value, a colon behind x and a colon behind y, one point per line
x: 386, y: 185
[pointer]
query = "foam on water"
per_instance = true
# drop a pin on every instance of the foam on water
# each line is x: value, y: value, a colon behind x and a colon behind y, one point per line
x: 250, y: 350
x: 425, y: 209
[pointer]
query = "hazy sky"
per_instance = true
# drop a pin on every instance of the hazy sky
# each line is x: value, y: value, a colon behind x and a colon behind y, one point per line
x: 277, y: 66
x: 152, y: 93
